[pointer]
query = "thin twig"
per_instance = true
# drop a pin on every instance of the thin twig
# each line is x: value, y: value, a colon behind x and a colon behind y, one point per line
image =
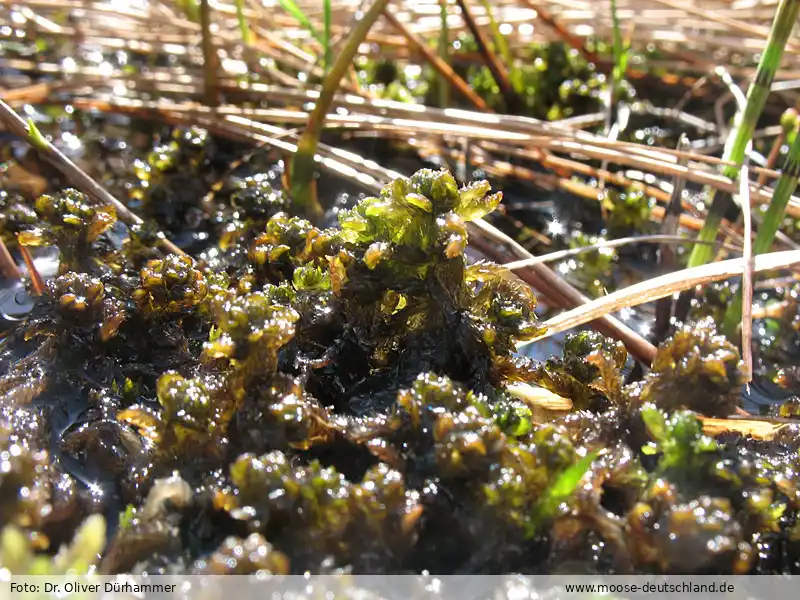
x: 444, y: 69
x: 497, y: 69
x: 36, y: 279
x: 690, y: 93
x: 658, y: 287
x: 32, y: 94
x: 666, y: 256
x: 72, y: 172
x: 748, y: 425
x: 638, y: 239
x: 747, y: 277
x: 774, y: 152
x: 544, y: 279
x: 8, y: 267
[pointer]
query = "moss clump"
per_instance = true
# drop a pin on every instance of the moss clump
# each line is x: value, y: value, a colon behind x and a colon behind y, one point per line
x: 84, y: 301
x: 403, y: 282
x: 71, y: 222
x: 251, y: 556
x: 368, y: 524
x: 696, y: 369
x: 23, y: 498
x: 299, y: 399
x: 16, y: 216
x: 553, y: 81
x: 170, y: 285
x: 589, y: 371
x: 628, y: 211
x: 19, y: 555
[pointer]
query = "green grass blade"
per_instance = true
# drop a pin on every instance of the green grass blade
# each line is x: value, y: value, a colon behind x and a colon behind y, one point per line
x: 500, y: 43
x: 191, y: 8
x: 786, y: 186
x: 561, y: 489
x: 443, y: 49
x: 244, y: 27
x: 301, y: 169
x: 621, y: 53
x: 290, y: 6
x: 327, y: 34
x: 745, y: 124
x: 617, y: 37
x: 36, y: 139
x: 210, y: 83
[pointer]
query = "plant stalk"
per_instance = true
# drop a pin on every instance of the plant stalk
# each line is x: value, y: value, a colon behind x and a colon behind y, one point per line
x: 209, y: 56
x: 327, y: 34
x: 291, y: 7
x: 500, y: 44
x: 772, y: 157
x: 496, y: 67
x: 616, y: 74
x: 301, y: 170
x: 37, y: 282
x: 442, y: 67
x: 8, y: 267
x: 786, y: 186
x: 244, y: 27
x: 442, y: 87
x: 745, y: 124
x: 70, y: 170
x: 666, y: 257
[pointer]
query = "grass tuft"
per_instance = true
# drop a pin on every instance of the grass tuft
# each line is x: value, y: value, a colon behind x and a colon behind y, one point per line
x: 745, y: 124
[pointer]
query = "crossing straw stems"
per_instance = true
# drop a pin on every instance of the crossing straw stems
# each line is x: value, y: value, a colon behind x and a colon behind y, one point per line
x: 790, y: 171
x: 745, y: 124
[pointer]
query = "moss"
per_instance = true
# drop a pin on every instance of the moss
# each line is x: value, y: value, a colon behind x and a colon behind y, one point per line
x: 304, y: 399
x: 172, y: 284
x: 16, y: 216
x: 19, y: 555
x: 553, y: 80
x: 589, y: 371
x: 71, y: 222
x: 696, y: 369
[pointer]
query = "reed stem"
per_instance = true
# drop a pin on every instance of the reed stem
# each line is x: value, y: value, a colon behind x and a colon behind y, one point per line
x: 244, y: 27
x: 745, y: 124
x: 786, y: 186
x: 327, y: 34
x: 500, y: 44
x: 617, y: 72
x: 8, y: 267
x: 496, y: 68
x: 37, y: 283
x: 209, y: 57
x: 442, y: 86
x: 301, y: 170
x: 70, y: 170
x: 442, y: 67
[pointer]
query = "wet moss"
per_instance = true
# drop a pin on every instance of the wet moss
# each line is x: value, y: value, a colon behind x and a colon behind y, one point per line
x: 71, y: 222
x: 696, y: 368
x: 304, y: 399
